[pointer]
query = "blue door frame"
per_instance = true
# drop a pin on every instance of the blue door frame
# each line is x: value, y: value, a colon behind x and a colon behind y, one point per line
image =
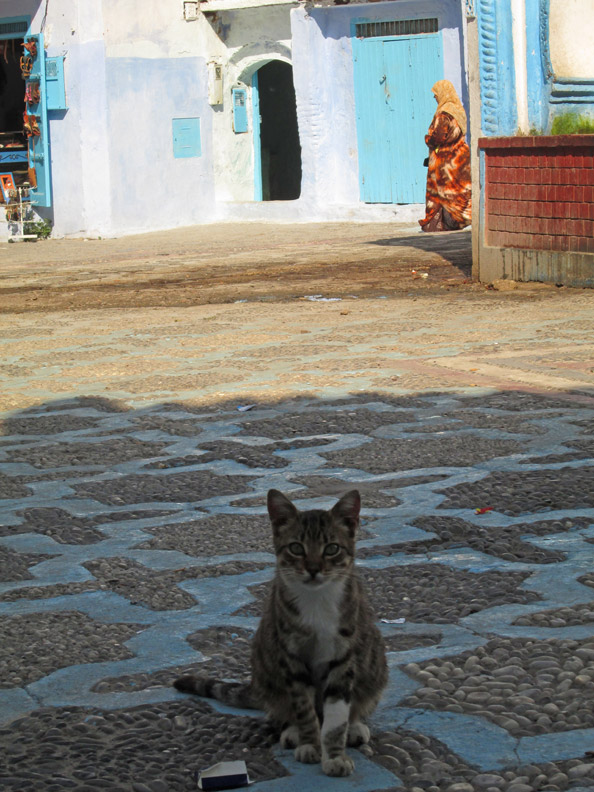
x: 394, y: 107
x: 256, y: 137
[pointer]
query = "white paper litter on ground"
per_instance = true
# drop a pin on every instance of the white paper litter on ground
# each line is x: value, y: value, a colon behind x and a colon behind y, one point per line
x: 224, y: 775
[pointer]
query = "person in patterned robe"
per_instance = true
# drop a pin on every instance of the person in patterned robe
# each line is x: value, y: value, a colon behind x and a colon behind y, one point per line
x: 448, y: 197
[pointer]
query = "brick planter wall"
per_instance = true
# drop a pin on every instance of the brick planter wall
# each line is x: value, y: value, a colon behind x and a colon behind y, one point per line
x: 538, y: 195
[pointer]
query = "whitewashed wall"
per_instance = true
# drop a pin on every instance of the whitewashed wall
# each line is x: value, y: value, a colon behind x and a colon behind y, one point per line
x: 131, y: 66
x: 571, y: 31
x: 323, y: 71
x: 318, y: 46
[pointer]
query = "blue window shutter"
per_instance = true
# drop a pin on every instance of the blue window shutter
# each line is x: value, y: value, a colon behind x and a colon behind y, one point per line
x: 240, y: 119
x: 186, y: 138
x: 39, y: 145
x: 54, y: 83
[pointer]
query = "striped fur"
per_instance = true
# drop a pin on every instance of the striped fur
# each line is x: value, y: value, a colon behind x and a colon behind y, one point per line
x: 318, y: 660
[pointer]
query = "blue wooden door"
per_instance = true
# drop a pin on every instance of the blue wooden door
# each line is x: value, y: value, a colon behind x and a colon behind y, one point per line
x: 394, y: 106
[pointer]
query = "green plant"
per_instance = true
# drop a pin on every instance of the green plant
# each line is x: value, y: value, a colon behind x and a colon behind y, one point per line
x: 572, y: 124
x: 41, y: 228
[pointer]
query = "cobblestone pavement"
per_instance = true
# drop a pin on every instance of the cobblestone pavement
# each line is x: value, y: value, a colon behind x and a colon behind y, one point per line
x: 136, y: 450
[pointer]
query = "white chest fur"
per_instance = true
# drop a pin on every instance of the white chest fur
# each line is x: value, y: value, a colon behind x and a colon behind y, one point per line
x: 320, y: 611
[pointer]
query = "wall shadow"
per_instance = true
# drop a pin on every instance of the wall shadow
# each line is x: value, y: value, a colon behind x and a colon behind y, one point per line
x: 454, y: 246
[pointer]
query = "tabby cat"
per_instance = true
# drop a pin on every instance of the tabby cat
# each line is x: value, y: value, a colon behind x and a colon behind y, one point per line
x: 318, y: 660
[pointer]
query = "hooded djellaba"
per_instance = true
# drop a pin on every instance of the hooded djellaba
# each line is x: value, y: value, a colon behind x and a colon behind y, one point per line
x: 448, y: 204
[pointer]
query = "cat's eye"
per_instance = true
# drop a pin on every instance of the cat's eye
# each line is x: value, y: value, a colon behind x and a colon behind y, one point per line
x: 297, y: 549
x: 331, y: 550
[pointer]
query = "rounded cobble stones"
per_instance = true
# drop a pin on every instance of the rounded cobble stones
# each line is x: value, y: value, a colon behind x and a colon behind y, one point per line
x: 174, y: 487
x: 47, y: 592
x: 526, y: 687
x: 503, y: 542
x: 384, y: 456
x: 113, y: 451
x: 227, y: 653
x: 568, y: 616
x: 324, y: 422
x: 36, y: 644
x: 374, y: 494
x: 157, y: 590
x: 526, y: 492
x: 245, y: 454
x: 15, y: 566
x: 12, y: 488
x: 427, y: 764
x: 219, y: 534
x: 58, y: 524
x: 46, y: 424
x: 153, y: 747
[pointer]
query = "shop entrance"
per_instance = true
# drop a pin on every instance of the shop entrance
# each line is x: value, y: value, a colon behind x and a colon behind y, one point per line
x: 277, y: 160
x: 13, y: 142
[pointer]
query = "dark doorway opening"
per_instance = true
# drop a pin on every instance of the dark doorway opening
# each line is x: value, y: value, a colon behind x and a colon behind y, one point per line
x: 279, y: 135
x: 12, y: 103
x: 12, y: 87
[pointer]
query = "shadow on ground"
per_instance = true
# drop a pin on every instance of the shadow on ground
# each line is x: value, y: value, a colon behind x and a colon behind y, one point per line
x: 134, y: 547
x: 454, y: 247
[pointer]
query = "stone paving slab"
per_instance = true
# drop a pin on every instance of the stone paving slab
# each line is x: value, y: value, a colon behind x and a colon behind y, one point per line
x: 134, y: 544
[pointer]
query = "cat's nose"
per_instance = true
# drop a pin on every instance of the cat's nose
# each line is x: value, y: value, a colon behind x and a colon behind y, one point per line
x: 313, y: 569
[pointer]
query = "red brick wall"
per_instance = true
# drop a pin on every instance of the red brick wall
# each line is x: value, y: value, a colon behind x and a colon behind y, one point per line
x: 539, y: 192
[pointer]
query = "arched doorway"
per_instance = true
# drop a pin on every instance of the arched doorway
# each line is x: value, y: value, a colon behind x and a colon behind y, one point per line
x: 276, y: 137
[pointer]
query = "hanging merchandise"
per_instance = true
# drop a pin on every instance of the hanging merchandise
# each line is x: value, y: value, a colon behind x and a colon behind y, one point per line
x: 32, y: 93
x: 26, y: 66
x: 32, y: 175
x: 31, y: 48
x: 31, y: 126
x: 13, y: 214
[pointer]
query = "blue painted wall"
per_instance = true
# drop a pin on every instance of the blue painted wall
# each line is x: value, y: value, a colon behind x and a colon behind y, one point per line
x: 150, y: 187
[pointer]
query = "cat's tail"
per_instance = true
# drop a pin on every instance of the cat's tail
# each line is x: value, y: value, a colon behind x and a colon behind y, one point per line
x: 236, y: 694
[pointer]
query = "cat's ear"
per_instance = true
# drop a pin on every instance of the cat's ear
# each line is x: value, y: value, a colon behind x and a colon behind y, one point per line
x: 280, y: 508
x: 347, y: 510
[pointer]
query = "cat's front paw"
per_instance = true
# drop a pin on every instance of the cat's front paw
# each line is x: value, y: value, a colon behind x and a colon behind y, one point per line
x: 358, y: 734
x: 341, y: 765
x: 289, y: 737
x: 307, y: 753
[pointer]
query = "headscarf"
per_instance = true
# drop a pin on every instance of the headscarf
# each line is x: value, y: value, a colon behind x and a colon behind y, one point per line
x: 448, y: 102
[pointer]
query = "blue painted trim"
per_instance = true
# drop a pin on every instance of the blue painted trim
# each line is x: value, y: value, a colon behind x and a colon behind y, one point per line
x: 17, y: 155
x: 256, y: 136
x: 9, y: 20
x: 39, y: 147
x: 543, y: 26
x: 572, y: 91
x: 481, y: 202
x: 538, y: 85
x: 499, y: 114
